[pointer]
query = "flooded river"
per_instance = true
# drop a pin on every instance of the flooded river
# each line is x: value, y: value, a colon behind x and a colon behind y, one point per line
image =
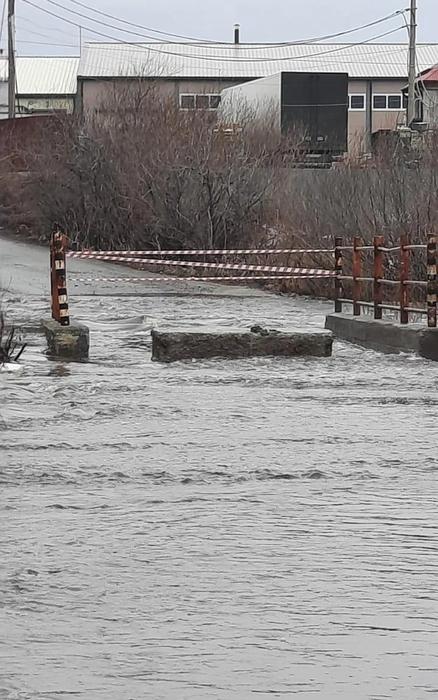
x: 215, y: 530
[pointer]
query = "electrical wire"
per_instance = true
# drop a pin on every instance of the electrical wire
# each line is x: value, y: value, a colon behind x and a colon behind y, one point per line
x: 211, y: 57
x: 47, y: 29
x: 207, y: 41
x: 46, y: 43
x: 34, y: 33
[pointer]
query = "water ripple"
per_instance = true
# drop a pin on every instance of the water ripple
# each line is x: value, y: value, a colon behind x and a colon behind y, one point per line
x: 211, y: 530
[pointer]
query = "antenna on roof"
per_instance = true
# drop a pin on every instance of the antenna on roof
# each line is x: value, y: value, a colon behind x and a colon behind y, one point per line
x: 237, y: 33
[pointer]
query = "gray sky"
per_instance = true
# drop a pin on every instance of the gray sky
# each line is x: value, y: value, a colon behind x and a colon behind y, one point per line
x: 261, y: 20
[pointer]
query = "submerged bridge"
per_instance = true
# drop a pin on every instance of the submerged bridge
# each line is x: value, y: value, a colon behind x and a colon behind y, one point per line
x: 389, y: 289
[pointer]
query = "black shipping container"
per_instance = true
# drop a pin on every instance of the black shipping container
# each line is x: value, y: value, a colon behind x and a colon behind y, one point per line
x: 317, y: 104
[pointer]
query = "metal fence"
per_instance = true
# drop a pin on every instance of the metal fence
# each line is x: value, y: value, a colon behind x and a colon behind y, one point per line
x: 222, y: 272
x: 403, y: 285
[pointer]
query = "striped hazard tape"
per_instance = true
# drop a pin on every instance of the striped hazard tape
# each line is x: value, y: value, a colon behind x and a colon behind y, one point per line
x: 188, y: 279
x: 236, y: 251
x: 307, y: 271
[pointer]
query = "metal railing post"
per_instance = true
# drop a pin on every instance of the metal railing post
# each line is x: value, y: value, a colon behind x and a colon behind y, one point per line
x: 339, y: 291
x: 357, y: 272
x: 404, y: 275
x: 378, y: 275
x: 431, y: 280
x: 53, y: 280
x: 58, y: 279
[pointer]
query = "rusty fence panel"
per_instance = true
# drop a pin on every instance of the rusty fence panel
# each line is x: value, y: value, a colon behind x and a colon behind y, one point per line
x: 377, y: 277
x: 357, y: 274
x: 431, y: 280
x: 58, y: 285
x: 404, y: 277
x: 339, y: 291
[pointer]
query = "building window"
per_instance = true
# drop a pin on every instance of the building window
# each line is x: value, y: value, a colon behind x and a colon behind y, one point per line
x: 394, y: 103
x: 187, y: 101
x: 201, y: 101
x: 356, y: 102
x: 215, y: 101
x: 379, y: 101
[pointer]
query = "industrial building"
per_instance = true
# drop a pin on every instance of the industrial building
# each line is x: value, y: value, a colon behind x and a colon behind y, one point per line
x: 45, y: 85
x: 427, y: 102
x: 194, y: 75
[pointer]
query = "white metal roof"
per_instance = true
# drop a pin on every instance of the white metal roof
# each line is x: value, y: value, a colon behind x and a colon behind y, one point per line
x: 183, y: 60
x: 44, y: 75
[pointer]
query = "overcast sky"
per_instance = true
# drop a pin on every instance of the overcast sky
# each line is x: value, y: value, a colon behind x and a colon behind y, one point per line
x: 261, y: 21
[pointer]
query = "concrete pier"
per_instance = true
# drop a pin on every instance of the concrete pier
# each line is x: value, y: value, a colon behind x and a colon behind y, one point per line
x: 385, y: 336
x: 171, y: 346
x: 69, y: 342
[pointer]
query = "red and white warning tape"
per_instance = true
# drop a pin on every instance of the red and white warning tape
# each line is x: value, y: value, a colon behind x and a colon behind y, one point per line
x: 308, y: 271
x: 237, y: 251
x: 187, y: 279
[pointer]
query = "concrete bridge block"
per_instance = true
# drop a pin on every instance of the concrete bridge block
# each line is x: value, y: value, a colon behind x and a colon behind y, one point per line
x: 174, y: 346
x: 385, y: 336
x: 69, y: 342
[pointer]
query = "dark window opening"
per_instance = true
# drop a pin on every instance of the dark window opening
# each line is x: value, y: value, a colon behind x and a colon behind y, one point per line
x: 394, y: 102
x: 379, y: 102
x: 187, y: 102
x: 357, y: 101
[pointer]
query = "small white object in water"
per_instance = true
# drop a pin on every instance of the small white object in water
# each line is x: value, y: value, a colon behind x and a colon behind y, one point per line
x: 10, y: 367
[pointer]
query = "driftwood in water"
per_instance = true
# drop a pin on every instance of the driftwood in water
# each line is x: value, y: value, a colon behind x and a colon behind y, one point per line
x: 10, y: 349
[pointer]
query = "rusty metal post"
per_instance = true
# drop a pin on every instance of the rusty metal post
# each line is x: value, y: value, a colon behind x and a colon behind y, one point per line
x: 339, y: 290
x: 378, y: 275
x: 357, y: 272
x: 59, y: 280
x: 431, y: 280
x: 404, y: 275
x: 53, y: 281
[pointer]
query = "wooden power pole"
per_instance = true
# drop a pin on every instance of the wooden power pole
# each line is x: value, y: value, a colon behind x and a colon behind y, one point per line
x: 12, y: 79
x: 412, y: 62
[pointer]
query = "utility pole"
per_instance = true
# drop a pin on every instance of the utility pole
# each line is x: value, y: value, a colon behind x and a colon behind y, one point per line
x: 11, y: 59
x: 412, y: 62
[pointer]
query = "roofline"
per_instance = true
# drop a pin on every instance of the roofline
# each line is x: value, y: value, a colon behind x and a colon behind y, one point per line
x: 48, y: 95
x: 274, y: 44
x: 220, y: 79
x: 56, y: 57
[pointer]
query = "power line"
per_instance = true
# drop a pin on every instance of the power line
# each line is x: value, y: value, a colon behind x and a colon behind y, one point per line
x: 47, y: 29
x: 46, y: 43
x: 206, y: 41
x: 44, y: 36
x: 138, y: 26
x: 211, y: 57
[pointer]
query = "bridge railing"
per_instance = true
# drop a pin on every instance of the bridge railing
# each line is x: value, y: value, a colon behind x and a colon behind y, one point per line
x: 58, y: 278
x: 232, y: 271
x: 403, y: 284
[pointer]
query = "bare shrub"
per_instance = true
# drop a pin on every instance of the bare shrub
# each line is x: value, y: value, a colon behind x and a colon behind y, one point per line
x: 10, y: 349
x: 396, y: 194
x: 140, y: 173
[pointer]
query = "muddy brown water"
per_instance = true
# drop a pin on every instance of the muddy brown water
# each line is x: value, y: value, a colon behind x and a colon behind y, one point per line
x: 216, y: 530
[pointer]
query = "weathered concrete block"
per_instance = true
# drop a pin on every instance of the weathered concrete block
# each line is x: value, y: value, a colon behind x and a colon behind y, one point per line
x: 385, y: 336
x: 71, y: 341
x: 171, y: 346
x: 428, y: 344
